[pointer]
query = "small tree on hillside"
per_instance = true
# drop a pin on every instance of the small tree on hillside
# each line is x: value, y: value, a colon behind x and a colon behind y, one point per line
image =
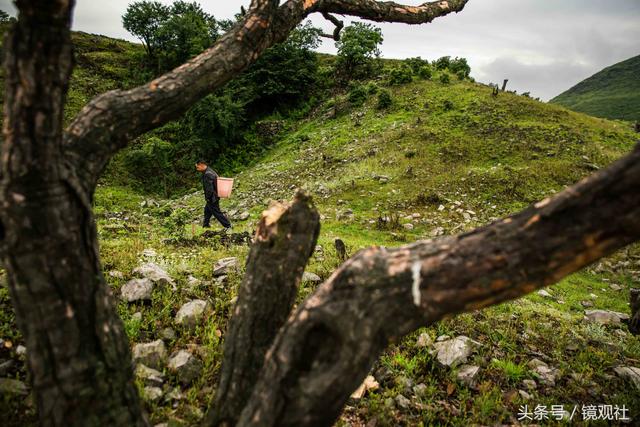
x: 358, y: 51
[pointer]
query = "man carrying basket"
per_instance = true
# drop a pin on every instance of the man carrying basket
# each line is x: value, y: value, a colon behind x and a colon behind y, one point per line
x: 212, y: 207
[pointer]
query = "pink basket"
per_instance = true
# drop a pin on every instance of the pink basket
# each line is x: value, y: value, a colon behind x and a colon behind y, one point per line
x: 225, y: 185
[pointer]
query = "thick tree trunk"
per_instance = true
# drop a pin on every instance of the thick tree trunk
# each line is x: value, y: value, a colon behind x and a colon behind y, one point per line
x: 285, y: 240
x: 77, y: 351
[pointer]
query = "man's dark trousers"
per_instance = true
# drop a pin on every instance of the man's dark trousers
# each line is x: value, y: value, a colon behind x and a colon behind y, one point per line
x: 212, y: 208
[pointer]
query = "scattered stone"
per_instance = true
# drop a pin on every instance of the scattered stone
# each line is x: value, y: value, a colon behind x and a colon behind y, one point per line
x: 442, y: 338
x: 408, y: 226
x: 193, y: 283
x: 544, y: 293
x: 586, y: 303
x: 243, y: 216
x: 524, y: 395
x: 137, y: 290
x: 116, y: 274
x: 546, y: 375
x: 137, y: 316
x: 152, y: 394
x: 191, y: 313
x: 402, y: 402
x: 605, y: 317
x: 530, y: 384
x: 369, y: 384
x: 11, y: 386
x: 424, y: 340
x: 420, y: 389
x: 149, y: 375
x: 467, y: 373
x: 630, y: 373
x: 616, y: 287
x: 168, y: 334
x: 224, y: 265
x: 455, y: 351
x: 21, y: 350
x: 149, y: 253
x: 311, y: 277
x: 153, y: 354
x: 175, y: 394
x: 185, y: 366
x: 155, y: 273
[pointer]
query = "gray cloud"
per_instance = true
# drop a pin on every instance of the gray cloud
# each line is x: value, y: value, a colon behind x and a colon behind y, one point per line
x: 542, y: 46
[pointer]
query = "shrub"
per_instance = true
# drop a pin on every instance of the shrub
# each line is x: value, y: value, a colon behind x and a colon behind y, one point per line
x: 176, y: 222
x: 460, y: 68
x: 358, y: 49
x: 400, y: 75
x: 357, y: 95
x: 384, y: 99
x: 442, y: 63
x: 444, y: 78
x: 415, y: 63
x: 425, y: 72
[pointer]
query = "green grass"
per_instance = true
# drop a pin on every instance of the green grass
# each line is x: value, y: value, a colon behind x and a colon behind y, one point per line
x: 612, y: 93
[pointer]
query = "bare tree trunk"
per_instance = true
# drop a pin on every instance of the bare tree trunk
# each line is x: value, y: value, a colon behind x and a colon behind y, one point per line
x: 77, y: 351
x: 285, y: 240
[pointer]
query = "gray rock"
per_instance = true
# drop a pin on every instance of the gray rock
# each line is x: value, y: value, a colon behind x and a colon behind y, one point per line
x: 311, y: 277
x: 116, y: 274
x: 546, y: 374
x: 408, y: 226
x: 586, y: 303
x: 193, y: 283
x: 424, y: 340
x: 524, y: 395
x: 137, y: 316
x: 137, y: 290
x: 21, y: 350
x: 629, y: 373
x: 605, y: 317
x: 455, y: 351
x: 152, y: 394
x: 168, y: 334
x: 155, y: 273
x: 402, y: 402
x: 191, y: 313
x: 225, y: 265
x: 530, y: 384
x: 616, y: 287
x: 149, y: 376
x: 185, y: 366
x: 13, y: 387
x: 467, y: 374
x: 149, y: 253
x: 544, y: 293
x: 152, y: 354
x: 243, y: 216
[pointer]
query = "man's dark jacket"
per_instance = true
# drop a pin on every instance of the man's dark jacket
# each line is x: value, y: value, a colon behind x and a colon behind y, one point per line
x: 210, y: 185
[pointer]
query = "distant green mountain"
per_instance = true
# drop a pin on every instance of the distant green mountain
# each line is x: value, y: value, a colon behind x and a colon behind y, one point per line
x: 613, y: 93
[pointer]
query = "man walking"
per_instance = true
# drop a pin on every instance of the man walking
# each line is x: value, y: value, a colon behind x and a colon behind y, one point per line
x: 209, y: 184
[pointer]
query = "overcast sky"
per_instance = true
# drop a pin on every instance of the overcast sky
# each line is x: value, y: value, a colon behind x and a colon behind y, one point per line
x: 541, y: 46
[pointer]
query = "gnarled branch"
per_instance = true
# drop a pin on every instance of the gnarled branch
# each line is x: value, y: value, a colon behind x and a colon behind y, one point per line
x: 284, y: 241
x: 339, y: 25
x: 327, y: 347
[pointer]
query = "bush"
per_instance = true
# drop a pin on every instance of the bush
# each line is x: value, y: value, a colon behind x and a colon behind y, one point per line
x: 448, y: 105
x: 400, y: 75
x: 442, y: 63
x: 444, y: 78
x: 415, y: 64
x: 425, y: 72
x: 176, y: 222
x: 460, y: 68
x: 384, y: 99
x: 358, y: 49
x: 372, y: 88
x: 357, y: 95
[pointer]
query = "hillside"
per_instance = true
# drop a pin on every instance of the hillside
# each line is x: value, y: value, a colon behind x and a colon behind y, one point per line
x: 441, y: 159
x: 612, y: 93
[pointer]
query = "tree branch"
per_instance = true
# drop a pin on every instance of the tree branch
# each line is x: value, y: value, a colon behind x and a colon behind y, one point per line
x: 285, y: 239
x: 338, y: 27
x: 327, y: 347
x: 108, y: 122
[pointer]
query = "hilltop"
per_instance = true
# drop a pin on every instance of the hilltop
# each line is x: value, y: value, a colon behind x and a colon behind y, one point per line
x: 440, y: 158
x: 612, y: 93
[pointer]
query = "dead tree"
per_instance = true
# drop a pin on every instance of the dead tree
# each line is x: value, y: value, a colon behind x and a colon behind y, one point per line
x: 78, y: 354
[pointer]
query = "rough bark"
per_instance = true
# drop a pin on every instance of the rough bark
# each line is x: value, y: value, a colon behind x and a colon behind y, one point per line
x: 327, y: 347
x: 78, y: 354
x: 284, y: 241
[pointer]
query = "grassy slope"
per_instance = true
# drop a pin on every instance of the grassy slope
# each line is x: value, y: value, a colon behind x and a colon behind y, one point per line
x: 611, y: 93
x: 480, y: 158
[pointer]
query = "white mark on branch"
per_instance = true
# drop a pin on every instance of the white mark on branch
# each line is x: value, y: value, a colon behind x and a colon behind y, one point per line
x: 18, y: 198
x: 415, y: 287
x: 69, y: 312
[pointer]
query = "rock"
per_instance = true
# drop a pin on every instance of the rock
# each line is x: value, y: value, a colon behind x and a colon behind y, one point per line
x: 116, y: 274
x: 530, y: 384
x: 629, y: 373
x: 546, y: 374
x: 586, y: 303
x: 185, y: 366
x: 155, y: 273
x: 420, y: 390
x: 149, y: 253
x: 544, y: 293
x: 168, y: 334
x: 605, y: 317
x: 424, y: 340
x: 191, y: 313
x: 13, y: 387
x: 402, y: 402
x: 243, y: 216
x: 149, y: 376
x: 137, y: 290
x: 311, y: 277
x: 153, y: 354
x: 345, y: 215
x: 408, y: 226
x: 455, y: 351
x: 193, y: 283
x: 524, y: 395
x: 442, y: 338
x: 152, y: 394
x: 21, y: 350
x: 224, y: 265
x: 467, y: 373
x: 615, y: 287
x: 137, y: 316
x: 369, y: 383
